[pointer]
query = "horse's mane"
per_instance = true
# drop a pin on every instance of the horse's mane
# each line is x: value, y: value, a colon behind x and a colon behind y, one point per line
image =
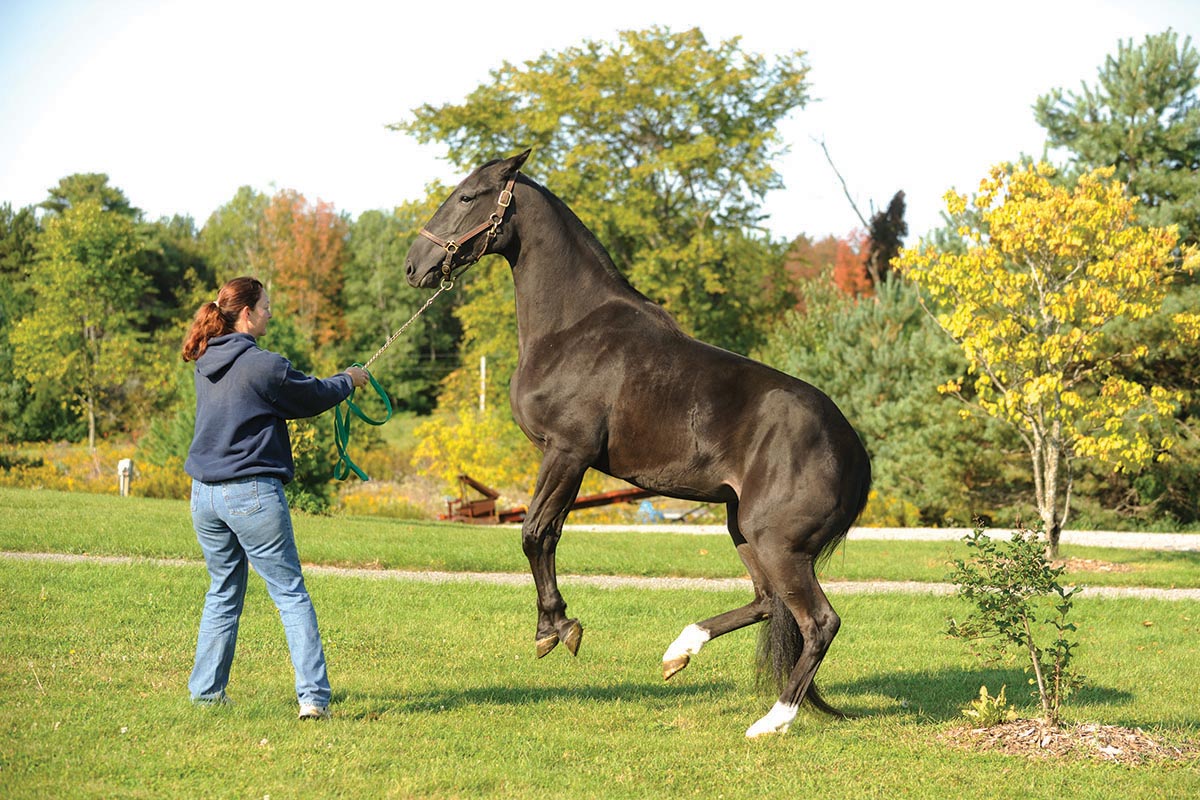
x: 586, y: 235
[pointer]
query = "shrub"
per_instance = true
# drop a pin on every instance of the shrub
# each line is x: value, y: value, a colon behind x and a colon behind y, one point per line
x: 986, y: 711
x: 1020, y: 604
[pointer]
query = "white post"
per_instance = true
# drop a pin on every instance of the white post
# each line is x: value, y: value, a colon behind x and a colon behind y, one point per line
x: 482, y: 382
x: 124, y: 476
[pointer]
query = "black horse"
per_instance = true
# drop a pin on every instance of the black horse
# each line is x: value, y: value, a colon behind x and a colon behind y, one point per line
x: 607, y: 380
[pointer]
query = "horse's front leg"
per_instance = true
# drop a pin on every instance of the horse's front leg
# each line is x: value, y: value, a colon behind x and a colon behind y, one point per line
x: 557, y: 486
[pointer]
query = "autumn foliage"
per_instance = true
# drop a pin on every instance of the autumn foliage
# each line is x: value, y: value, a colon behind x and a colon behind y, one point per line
x: 850, y: 265
x: 305, y: 246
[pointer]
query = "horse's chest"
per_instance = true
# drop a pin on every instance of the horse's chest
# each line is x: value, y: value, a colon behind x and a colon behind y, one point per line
x: 553, y: 391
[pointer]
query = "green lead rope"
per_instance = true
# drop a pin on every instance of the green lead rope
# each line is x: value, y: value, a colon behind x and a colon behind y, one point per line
x: 341, y: 429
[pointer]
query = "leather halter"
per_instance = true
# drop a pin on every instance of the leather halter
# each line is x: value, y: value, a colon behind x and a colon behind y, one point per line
x: 491, y: 226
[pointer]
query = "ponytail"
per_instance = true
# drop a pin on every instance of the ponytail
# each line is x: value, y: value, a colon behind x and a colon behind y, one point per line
x: 219, y: 317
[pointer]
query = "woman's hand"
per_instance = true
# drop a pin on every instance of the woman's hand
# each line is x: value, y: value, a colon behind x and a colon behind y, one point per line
x: 358, y: 375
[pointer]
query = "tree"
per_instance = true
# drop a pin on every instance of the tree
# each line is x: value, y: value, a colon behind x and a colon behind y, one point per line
x: 80, y: 187
x: 18, y: 233
x: 230, y: 239
x: 662, y: 144
x: 1143, y: 119
x: 850, y: 265
x: 306, y: 246
x: 80, y: 333
x: 174, y: 263
x: 1020, y: 605
x: 885, y: 231
x: 885, y: 237
x: 808, y: 260
x: 1032, y: 301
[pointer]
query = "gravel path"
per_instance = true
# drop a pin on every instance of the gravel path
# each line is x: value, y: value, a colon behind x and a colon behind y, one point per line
x: 602, y: 581
x: 1119, y: 539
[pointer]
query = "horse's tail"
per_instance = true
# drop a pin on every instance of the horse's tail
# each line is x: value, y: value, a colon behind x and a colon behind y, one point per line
x: 779, y: 646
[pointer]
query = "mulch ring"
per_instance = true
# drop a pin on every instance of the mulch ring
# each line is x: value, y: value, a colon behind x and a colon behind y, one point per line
x: 1033, y: 738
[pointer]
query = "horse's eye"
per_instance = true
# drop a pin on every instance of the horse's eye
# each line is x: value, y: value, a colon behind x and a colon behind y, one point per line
x: 466, y: 198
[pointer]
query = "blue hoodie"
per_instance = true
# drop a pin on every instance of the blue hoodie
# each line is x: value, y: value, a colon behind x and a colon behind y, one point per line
x: 244, y: 396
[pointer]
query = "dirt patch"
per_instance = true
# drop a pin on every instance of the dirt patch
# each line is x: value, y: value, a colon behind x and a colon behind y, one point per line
x: 1090, y: 565
x: 1036, y: 739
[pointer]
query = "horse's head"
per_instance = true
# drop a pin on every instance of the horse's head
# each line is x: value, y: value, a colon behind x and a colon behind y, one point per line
x: 468, y: 225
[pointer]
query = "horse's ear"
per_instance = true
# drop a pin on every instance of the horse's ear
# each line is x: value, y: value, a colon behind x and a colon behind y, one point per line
x: 512, y: 165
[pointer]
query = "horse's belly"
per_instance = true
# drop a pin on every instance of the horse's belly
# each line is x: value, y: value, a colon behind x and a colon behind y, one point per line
x: 676, y: 467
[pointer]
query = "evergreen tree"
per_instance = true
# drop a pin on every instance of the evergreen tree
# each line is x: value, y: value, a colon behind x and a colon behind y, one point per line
x: 1142, y: 118
x: 19, y: 418
x: 881, y: 360
x: 75, y: 189
x: 886, y: 235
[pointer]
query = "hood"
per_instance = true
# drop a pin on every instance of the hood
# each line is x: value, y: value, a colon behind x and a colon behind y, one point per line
x: 221, y: 352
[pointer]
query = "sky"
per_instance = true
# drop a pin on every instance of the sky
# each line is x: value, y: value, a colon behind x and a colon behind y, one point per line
x: 182, y: 102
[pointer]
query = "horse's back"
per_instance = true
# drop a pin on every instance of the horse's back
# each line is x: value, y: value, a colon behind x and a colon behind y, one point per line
x: 689, y: 419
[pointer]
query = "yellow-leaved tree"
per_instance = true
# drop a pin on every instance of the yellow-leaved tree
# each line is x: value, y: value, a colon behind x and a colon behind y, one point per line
x: 1032, y: 296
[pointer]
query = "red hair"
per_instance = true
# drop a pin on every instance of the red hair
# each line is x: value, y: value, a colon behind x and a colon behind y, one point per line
x: 219, y: 317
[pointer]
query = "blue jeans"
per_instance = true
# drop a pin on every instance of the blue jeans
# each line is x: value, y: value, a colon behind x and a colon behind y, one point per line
x: 243, y: 523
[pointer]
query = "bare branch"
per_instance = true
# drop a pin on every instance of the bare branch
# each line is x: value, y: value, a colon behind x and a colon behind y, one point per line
x: 845, y: 189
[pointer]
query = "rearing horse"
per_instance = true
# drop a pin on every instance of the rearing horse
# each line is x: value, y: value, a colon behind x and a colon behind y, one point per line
x: 607, y: 380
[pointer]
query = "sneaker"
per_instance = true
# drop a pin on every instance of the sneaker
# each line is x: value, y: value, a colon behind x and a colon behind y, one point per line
x: 310, y: 711
x: 221, y: 699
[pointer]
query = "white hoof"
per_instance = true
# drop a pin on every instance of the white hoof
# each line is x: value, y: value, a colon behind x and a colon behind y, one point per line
x: 688, y: 644
x: 777, y: 720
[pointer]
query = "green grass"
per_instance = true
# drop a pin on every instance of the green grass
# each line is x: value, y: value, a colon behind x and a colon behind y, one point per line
x: 437, y: 695
x: 36, y: 521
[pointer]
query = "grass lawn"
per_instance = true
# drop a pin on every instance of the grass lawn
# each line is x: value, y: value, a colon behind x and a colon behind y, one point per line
x: 437, y: 695
x: 46, y: 521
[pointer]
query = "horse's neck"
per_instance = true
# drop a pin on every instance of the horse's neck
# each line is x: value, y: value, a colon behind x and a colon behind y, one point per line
x: 560, y: 276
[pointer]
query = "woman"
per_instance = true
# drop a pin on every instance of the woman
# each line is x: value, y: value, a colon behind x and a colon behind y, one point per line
x: 239, y: 460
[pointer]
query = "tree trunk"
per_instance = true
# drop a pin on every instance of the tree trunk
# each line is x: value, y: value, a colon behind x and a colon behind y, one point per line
x: 1047, y: 462
x: 91, y: 415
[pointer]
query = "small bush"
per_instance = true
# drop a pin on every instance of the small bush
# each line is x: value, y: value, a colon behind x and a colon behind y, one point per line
x: 885, y: 511
x: 986, y: 711
x: 1020, y: 604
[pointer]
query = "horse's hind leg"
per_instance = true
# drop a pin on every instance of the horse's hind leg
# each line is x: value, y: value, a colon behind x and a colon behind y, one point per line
x: 799, y: 590
x: 696, y: 635
x: 557, y: 485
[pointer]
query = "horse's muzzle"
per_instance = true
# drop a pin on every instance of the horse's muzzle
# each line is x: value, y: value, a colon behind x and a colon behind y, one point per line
x: 410, y: 272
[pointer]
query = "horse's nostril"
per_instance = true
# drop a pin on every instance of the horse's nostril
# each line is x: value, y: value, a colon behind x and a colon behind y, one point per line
x: 409, y: 269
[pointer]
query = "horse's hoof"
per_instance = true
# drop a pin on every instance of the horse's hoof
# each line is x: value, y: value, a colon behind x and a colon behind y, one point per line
x: 777, y: 721
x: 761, y: 728
x: 574, y: 636
x: 674, y: 665
x: 547, y: 644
